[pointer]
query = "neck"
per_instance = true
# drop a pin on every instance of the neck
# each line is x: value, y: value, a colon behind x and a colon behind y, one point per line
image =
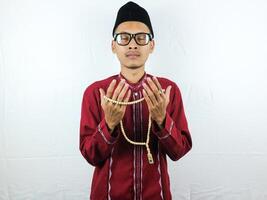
x: 133, y: 75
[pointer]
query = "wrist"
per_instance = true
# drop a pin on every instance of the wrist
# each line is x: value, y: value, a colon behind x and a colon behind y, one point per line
x: 110, y: 127
x: 161, y: 123
x: 112, y: 131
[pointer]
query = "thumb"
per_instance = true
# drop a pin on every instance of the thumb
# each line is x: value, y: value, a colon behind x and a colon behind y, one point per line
x: 168, y: 92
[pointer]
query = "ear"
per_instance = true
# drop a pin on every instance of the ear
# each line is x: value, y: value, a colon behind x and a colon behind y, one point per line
x: 152, y: 45
x: 113, y: 48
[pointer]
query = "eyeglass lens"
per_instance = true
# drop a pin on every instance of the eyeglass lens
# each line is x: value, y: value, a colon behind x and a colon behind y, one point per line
x: 125, y: 38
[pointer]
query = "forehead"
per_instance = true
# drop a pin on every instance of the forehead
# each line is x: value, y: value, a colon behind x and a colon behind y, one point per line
x: 132, y: 27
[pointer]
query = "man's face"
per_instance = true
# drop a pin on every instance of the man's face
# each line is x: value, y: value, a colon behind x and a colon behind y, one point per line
x: 132, y: 55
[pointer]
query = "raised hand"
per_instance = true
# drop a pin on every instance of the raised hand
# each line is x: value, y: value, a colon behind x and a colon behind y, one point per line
x: 157, y: 102
x: 114, y: 112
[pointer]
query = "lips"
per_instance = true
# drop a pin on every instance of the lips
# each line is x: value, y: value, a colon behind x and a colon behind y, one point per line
x: 132, y: 54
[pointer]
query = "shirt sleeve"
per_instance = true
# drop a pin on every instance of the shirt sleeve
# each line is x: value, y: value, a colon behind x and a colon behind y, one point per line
x: 96, y: 142
x: 174, y: 136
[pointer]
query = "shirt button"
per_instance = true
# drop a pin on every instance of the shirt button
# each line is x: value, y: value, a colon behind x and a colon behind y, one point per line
x: 135, y: 93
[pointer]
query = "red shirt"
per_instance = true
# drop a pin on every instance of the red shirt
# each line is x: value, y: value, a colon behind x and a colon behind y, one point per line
x: 122, y: 171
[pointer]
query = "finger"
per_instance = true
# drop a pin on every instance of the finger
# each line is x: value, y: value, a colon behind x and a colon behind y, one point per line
x: 111, y: 88
x: 154, y: 89
x: 122, y: 94
x: 150, y: 94
x: 158, y: 85
x: 118, y: 89
x: 149, y: 103
x: 123, y: 91
x: 102, y: 93
x: 167, y: 95
x: 127, y: 98
x: 157, y: 82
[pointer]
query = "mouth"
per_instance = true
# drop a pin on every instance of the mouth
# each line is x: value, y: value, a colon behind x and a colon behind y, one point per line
x: 132, y: 55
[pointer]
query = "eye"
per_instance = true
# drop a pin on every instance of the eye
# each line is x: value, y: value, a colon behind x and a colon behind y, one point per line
x: 142, y: 37
x: 124, y: 37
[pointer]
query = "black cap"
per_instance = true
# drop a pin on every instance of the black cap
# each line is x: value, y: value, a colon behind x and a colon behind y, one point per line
x: 133, y: 12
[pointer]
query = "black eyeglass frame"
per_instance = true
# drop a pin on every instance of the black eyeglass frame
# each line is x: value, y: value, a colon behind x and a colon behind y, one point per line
x: 132, y: 35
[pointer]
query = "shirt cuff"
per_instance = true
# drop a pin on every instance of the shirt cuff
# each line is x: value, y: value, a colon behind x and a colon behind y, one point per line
x: 166, y: 130
x: 108, y: 137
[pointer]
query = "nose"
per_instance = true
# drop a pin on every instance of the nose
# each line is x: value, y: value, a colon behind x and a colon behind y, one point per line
x: 132, y: 44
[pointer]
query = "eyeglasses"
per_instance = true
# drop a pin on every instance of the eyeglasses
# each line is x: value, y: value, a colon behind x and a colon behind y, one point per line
x: 124, y: 38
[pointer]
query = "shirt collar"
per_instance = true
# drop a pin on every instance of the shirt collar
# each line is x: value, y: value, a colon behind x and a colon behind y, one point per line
x: 138, y: 84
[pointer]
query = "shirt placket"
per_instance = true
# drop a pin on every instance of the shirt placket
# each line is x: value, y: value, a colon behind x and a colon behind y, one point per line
x: 137, y: 148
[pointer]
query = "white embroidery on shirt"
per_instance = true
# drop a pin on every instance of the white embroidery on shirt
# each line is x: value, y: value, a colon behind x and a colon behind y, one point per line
x: 169, y: 132
x: 134, y: 151
x: 141, y: 114
x: 159, y: 170
x: 104, y: 137
x: 110, y: 173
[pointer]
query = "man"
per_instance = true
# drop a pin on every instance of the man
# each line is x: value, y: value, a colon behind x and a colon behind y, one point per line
x: 128, y: 144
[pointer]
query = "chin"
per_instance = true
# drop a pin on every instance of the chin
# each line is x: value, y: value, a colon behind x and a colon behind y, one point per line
x: 133, y: 66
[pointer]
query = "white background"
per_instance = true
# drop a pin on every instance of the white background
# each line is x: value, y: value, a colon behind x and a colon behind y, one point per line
x: 216, y: 51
